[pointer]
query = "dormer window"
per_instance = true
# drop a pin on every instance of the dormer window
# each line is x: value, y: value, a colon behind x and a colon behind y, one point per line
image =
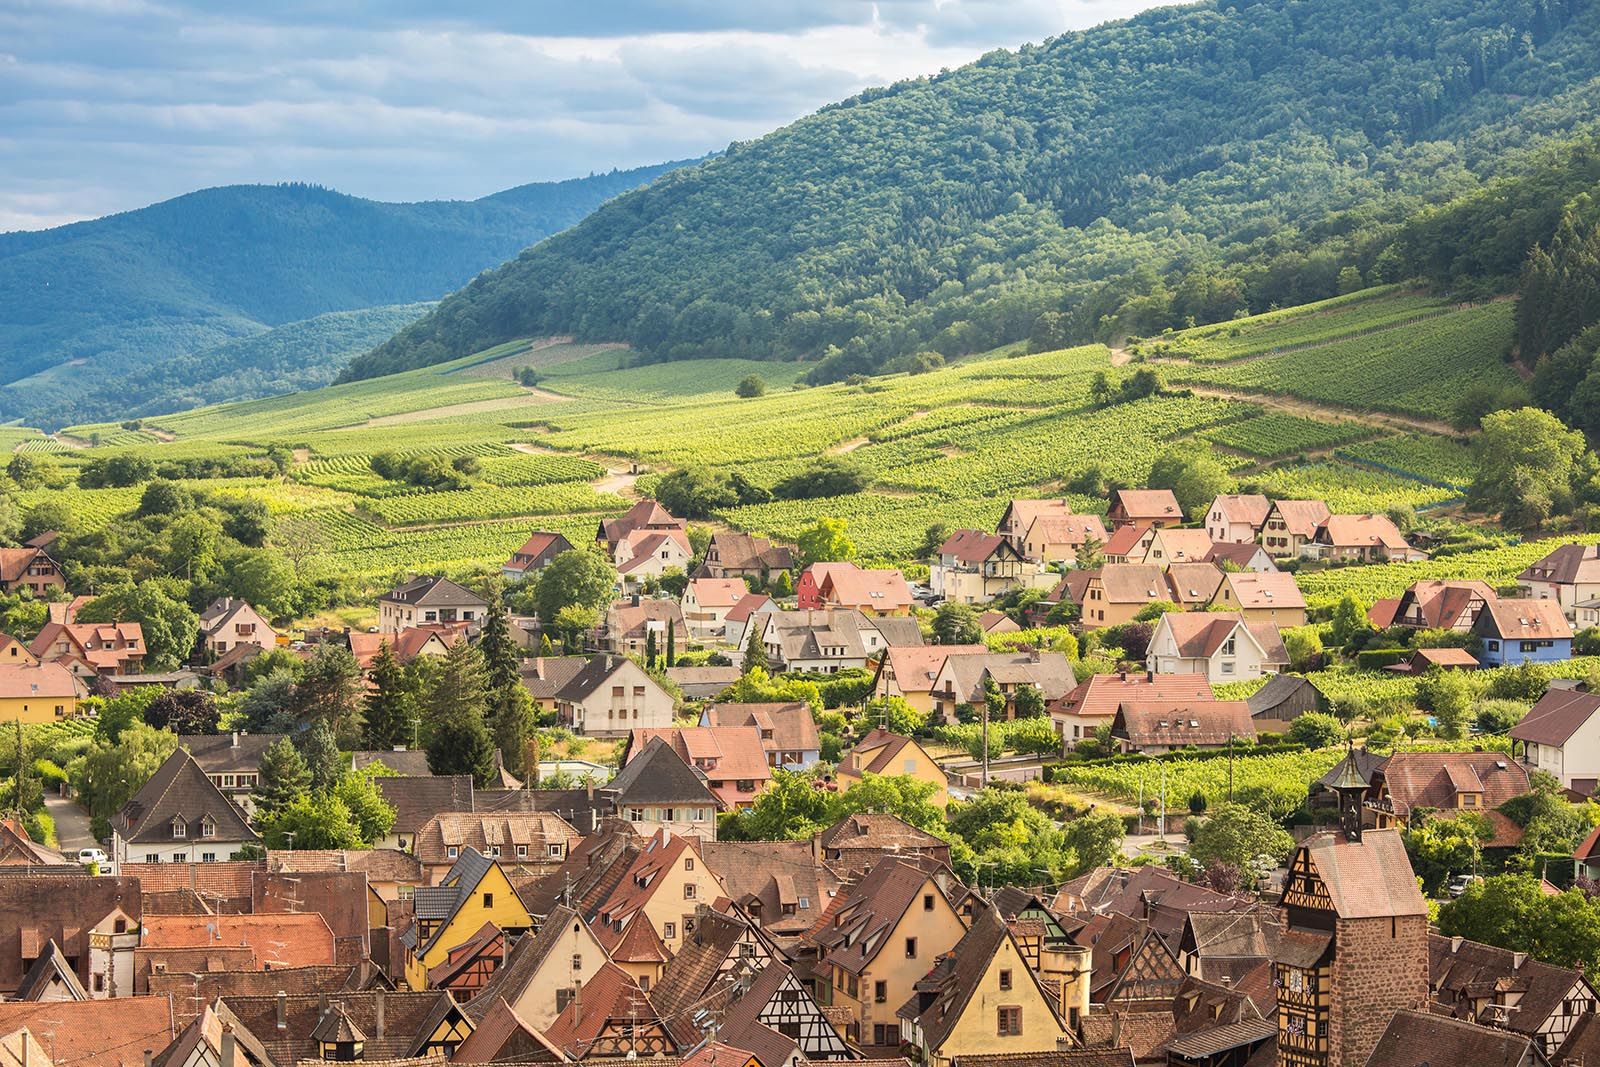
x: 180, y: 828
x: 208, y: 828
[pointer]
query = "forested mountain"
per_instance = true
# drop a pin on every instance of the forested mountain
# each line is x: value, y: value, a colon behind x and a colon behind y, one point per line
x: 1185, y: 164
x: 119, y: 298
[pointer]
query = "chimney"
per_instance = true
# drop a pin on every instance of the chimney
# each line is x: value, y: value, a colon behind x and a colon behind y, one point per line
x: 225, y: 1058
x: 1122, y: 674
x: 236, y: 739
x: 588, y: 787
x: 377, y: 1012
x: 1149, y: 676
x: 283, y: 1010
x: 146, y: 1055
x: 322, y: 1006
x: 1116, y: 1029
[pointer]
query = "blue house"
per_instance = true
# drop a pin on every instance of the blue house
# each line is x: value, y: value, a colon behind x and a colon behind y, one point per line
x: 1522, y: 631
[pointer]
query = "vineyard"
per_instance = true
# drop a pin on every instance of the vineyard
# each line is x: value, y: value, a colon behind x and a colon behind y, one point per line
x: 1277, y: 782
x: 1295, y: 328
x: 1275, y: 434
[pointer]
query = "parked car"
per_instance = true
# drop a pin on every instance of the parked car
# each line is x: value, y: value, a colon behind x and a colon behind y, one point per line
x: 93, y: 855
x: 1458, y: 885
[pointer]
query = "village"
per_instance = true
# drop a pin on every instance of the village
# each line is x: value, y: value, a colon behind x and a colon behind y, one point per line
x: 775, y: 809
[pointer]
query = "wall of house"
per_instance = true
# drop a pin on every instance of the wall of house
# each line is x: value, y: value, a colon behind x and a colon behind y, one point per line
x: 1500, y: 653
x: 695, y: 820
x: 937, y: 931
x: 912, y: 761
x: 977, y: 1031
x: 641, y: 704
x: 31, y: 710
x: 493, y: 900
x: 576, y: 958
x: 669, y: 907
x: 1380, y: 966
x: 1578, y: 758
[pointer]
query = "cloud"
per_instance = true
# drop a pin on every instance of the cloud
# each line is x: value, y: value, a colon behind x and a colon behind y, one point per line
x: 106, y: 105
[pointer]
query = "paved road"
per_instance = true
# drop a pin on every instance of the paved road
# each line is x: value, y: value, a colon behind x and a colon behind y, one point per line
x: 72, y: 824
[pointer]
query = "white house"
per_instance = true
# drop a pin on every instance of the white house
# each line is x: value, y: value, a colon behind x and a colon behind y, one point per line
x: 1561, y: 734
x: 612, y: 696
x: 1237, y: 519
x: 179, y: 816
x: 706, y: 603
x: 1570, y: 576
x: 1219, y: 644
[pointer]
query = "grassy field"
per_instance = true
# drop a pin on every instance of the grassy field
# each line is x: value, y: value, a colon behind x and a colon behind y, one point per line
x: 949, y: 446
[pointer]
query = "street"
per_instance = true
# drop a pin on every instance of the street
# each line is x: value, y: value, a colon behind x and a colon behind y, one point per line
x: 72, y: 824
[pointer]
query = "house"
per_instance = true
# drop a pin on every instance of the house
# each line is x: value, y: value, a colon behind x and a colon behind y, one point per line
x: 973, y: 567
x: 997, y: 622
x: 1094, y: 701
x: 29, y: 568
x: 1361, y: 538
x: 105, y: 648
x: 37, y: 909
x: 1443, y: 605
x: 474, y: 892
x: 536, y: 552
x: 373, y: 1025
x: 750, y: 611
x: 229, y: 622
x: 706, y: 603
x: 544, y: 970
x: 1448, y: 783
x: 1219, y: 644
x: 1021, y: 514
x: 1273, y: 597
x: 425, y: 600
x: 51, y: 979
x: 1291, y: 525
x: 1221, y: 947
x: 779, y: 885
x: 232, y: 761
x: 732, y: 758
x: 1158, y: 507
x: 788, y: 730
x: 1411, y: 1037
x: 407, y: 645
x: 524, y: 843
x: 1497, y: 987
x: 1059, y: 537
x: 1156, y: 728
x: 658, y: 896
x: 658, y: 787
x: 844, y: 585
x: 1115, y: 593
x: 1130, y: 543
x: 616, y: 1021
x: 544, y: 676
x: 882, y: 752
x: 1237, y: 518
x: 391, y: 874
x: 1523, y: 631
x: 630, y: 623
x: 980, y: 998
x: 910, y: 672
x: 176, y: 815
x: 703, y: 683
x: 17, y: 849
x: 610, y: 696
x: 34, y: 692
x: 14, y: 653
x: 1561, y: 735
x: 1192, y: 586
x: 1570, y: 576
x: 1240, y: 557
x: 418, y: 799
x: 1169, y: 545
x: 645, y: 515
x: 857, y: 842
x: 650, y: 554
x: 740, y: 555
x: 965, y: 680
x: 879, y: 942
x: 1284, y: 699
x: 1424, y: 660
x: 829, y: 641
x: 717, y: 957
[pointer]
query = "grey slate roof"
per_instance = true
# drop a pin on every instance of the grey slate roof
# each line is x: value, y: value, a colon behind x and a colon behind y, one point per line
x: 658, y: 775
x: 416, y: 800
x: 221, y: 753
x: 432, y: 589
x: 180, y: 789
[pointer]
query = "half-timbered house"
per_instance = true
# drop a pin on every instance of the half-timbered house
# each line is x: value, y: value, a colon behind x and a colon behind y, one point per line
x: 611, y: 1018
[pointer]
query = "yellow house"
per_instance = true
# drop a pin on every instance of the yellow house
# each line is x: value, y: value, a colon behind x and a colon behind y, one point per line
x: 661, y: 890
x: 34, y: 692
x: 1273, y: 596
x: 882, y: 752
x: 988, y: 1002
x: 546, y: 969
x: 881, y: 942
x: 475, y: 892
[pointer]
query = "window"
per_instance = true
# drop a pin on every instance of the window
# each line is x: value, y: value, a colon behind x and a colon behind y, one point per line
x: 563, y: 998
x: 451, y: 852
x: 577, y: 962
x: 688, y: 891
x: 688, y: 863
x: 880, y: 991
x: 180, y: 828
x: 488, y: 900
x: 1005, y: 979
x: 99, y: 983
x: 208, y: 857
x: 911, y: 948
x: 636, y: 815
x: 669, y: 931
x: 494, y: 852
x: 555, y: 850
x: 667, y: 815
x: 180, y: 857
x: 522, y: 852
x: 927, y: 902
x: 1009, y: 1021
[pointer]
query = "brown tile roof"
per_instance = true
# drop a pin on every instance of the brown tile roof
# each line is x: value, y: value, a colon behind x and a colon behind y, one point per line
x: 47, y: 681
x: 409, y: 1019
x: 1132, y: 891
x: 1302, y: 517
x: 742, y: 551
x: 690, y: 974
x: 1199, y: 634
x: 646, y: 514
x: 1524, y: 620
x: 1133, y: 583
x: 1107, y: 1057
x: 1370, y: 878
x: 1567, y: 565
x: 538, y: 830
x: 853, y: 932
x: 645, y: 545
x: 545, y: 676
x: 879, y: 831
x: 1434, y: 779
x: 213, y: 881
x: 1424, y: 658
x: 1138, y: 1032
x: 627, y: 619
x: 1124, y: 538
x: 192, y: 991
x: 1210, y: 723
x: 610, y: 994
x: 502, y: 1036
x: 747, y: 606
x: 1582, y: 1045
x: 1415, y: 1037
x: 972, y: 546
x: 1065, y: 529
x: 378, y: 864
x: 1557, y: 715
x: 14, y: 562
x: 1146, y: 503
x: 283, y: 940
x: 180, y: 790
x: 1183, y: 546
x: 1383, y: 612
x: 416, y: 800
x: 39, y: 908
x: 1249, y: 508
x: 883, y: 746
x: 1192, y: 585
x: 94, y: 1033
x: 1048, y: 672
x: 792, y: 726
x: 1361, y: 531
x: 1099, y: 695
x: 1273, y: 589
x: 1231, y: 552
x: 875, y: 590
x: 767, y: 877
x: 1441, y: 603
x: 538, y: 549
x: 1460, y: 970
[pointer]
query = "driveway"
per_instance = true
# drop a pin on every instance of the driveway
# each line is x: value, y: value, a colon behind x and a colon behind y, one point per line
x: 72, y: 824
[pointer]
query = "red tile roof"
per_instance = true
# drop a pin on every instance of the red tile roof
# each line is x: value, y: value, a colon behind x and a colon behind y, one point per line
x: 875, y: 590
x: 723, y: 752
x: 719, y: 592
x: 1205, y: 723
x: 1146, y: 503
x: 1100, y: 694
x: 971, y: 546
x: 1302, y: 517
x: 1273, y: 589
x: 47, y: 681
x: 94, y: 1033
x: 285, y: 940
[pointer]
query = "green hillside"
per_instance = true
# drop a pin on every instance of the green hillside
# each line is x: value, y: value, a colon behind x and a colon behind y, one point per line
x: 1189, y: 163
x: 122, y: 302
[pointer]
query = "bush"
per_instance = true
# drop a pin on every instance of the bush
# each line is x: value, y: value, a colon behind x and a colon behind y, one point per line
x: 750, y: 386
x: 1315, y: 729
x: 1499, y: 716
x: 1373, y: 659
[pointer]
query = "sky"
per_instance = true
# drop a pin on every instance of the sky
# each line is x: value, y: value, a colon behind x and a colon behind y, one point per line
x: 108, y: 105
